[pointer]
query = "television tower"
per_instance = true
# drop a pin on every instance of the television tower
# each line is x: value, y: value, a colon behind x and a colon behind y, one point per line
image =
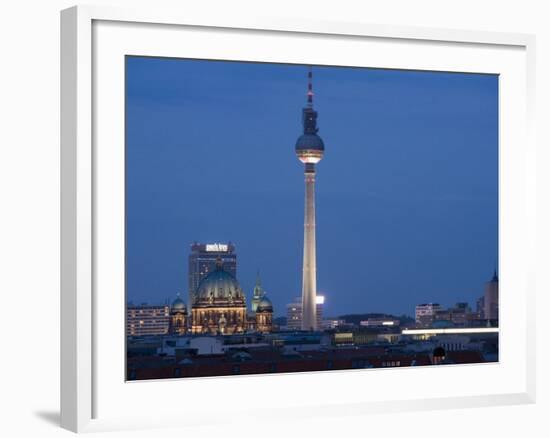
x: 310, y: 150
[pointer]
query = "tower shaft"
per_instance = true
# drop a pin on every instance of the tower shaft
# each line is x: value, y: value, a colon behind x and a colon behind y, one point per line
x: 309, y: 273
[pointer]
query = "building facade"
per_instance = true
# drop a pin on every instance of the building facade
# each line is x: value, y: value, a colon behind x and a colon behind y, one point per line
x: 480, y: 307
x: 147, y: 320
x: 425, y: 313
x: 294, y: 313
x: 380, y: 322
x: 459, y: 315
x: 202, y: 261
x: 220, y: 307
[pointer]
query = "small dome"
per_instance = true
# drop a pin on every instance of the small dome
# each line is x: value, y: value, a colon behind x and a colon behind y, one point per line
x: 178, y: 305
x: 309, y: 142
x: 265, y: 305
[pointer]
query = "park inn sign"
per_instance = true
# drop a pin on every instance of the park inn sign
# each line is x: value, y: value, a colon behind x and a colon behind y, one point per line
x: 216, y: 247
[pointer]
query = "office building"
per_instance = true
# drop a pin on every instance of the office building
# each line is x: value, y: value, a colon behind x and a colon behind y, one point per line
x: 379, y: 322
x: 294, y: 313
x: 458, y: 315
x: 147, y: 320
x: 424, y: 313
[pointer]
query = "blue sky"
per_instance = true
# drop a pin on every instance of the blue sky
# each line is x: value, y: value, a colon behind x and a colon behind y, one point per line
x: 407, y: 194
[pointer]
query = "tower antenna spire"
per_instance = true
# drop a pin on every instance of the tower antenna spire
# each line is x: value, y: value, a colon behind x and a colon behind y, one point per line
x: 310, y: 87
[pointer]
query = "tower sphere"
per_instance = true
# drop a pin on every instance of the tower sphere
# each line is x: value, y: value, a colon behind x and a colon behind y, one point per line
x: 310, y: 148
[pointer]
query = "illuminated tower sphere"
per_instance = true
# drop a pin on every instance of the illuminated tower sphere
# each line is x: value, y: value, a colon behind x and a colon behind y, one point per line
x: 309, y: 149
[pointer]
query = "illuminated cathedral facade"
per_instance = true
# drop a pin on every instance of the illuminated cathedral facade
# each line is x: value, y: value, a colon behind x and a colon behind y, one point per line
x: 219, y: 308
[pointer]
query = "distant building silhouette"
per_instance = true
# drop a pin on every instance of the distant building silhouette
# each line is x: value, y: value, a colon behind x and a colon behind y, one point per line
x: 490, y: 299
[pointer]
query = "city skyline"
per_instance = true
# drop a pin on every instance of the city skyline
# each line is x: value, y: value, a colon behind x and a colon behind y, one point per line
x: 194, y: 181
x: 168, y: 300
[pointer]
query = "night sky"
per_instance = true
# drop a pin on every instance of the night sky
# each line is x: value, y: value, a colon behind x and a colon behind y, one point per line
x: 407, y: 194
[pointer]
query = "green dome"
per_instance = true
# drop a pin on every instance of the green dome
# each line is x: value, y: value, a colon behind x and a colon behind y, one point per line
x: 265, y: 305
x: 178, y: 305
x: 219, y: 284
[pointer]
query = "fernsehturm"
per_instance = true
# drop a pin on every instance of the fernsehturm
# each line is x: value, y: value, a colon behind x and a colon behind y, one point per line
x: 310, y: 150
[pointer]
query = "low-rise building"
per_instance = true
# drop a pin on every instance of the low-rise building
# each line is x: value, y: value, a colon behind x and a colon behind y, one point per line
x: 380, y: 322
x: 456, y: 315
x: 147, y: 320
x: 328, y: 324
x: 424, y: 313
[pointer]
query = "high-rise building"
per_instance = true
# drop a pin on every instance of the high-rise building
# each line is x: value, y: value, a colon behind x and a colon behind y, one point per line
x: 490, y: 299
x: 425, y: 313
x: 319, y: 309
x: 147, y: 320
x: 480, y: 307
x: 309, y: 149
x: 202, y: 261
x: 294, y: 313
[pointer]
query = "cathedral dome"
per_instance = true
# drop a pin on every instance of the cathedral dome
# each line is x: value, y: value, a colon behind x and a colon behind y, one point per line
x: 265, y: 305
x: 219, y: 284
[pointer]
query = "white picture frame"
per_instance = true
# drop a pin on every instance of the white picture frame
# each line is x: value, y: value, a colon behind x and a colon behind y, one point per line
x: 85, y: 30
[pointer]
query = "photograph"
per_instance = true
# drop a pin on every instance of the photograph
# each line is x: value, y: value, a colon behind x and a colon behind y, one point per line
x: 284, y: 218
